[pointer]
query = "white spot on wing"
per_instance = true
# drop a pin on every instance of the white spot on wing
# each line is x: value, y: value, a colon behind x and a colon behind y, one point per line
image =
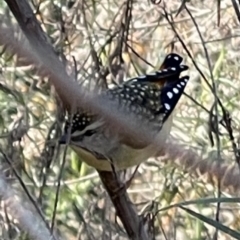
x: 151, y: 102
x: 176, y: 58
x: 170, y: 95
x: 152, y: 74
x: 175, y: 90
x: 142, y: 76
x: 167, y: 106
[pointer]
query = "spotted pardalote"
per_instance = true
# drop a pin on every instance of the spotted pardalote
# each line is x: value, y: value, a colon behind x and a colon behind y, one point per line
x: 151, y: 98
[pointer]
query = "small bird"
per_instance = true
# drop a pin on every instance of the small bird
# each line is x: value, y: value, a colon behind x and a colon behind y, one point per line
x: 151, y: 97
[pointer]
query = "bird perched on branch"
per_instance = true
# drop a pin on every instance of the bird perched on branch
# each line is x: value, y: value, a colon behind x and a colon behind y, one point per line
x: 151, y: 97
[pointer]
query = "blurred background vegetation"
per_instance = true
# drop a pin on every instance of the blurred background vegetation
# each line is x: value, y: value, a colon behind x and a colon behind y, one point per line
x: 117, y: 40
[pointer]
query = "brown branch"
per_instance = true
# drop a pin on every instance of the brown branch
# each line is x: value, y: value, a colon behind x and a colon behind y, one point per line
x: 125, y: 209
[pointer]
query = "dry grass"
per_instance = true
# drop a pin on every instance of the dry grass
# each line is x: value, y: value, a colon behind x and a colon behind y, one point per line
x: 29, y: 110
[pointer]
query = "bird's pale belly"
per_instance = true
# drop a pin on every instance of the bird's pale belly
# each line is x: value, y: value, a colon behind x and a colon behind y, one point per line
x: 124, y: 156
